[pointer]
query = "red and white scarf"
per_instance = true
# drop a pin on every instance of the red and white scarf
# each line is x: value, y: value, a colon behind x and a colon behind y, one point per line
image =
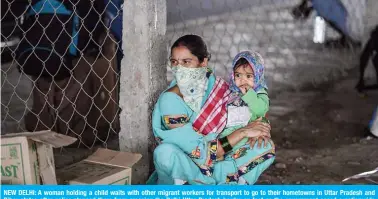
x: 213, y: 116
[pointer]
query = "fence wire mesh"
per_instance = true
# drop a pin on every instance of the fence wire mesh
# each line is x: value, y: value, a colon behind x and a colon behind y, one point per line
x: 45, y: 85
x: 85, y: 104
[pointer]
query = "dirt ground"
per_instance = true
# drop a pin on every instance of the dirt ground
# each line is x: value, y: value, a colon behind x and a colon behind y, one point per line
x: 319, y: 135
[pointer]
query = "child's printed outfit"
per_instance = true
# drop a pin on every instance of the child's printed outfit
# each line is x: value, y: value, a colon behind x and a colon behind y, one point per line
x: 243, y: 109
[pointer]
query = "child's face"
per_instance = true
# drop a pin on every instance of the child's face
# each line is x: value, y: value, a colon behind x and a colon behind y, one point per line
x: 244, y: 77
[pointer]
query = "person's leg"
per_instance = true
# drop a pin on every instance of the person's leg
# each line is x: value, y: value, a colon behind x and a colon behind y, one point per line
x: 374, y: 49
x: 39, y: 118
x: 261, y: 160
x: 372, y: 129
x: 375, y: 64
x: 250, y: 165
x: 173, y: 166
x: 364, y: 59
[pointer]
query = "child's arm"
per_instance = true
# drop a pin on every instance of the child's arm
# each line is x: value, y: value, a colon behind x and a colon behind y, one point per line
x: 258, y: 102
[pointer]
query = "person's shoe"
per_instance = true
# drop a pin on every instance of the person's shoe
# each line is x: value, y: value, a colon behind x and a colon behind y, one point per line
x: 301, y: 13
x: 360, y: 87
x: 368, y: 133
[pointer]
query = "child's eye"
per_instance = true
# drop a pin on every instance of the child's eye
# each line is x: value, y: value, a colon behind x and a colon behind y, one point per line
x: 237, y: 75
x: 249, y: 76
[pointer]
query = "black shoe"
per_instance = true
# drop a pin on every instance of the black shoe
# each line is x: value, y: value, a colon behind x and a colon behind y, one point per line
x: 360, y: 87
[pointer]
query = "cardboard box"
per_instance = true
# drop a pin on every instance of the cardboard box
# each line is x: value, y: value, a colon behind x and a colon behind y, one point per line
x: 104, y: 167
x: 27, y: 158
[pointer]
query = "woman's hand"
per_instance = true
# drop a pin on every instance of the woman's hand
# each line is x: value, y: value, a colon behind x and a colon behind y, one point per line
x: 259, y: 140
x: 258, y: 131
x: 257, y: 128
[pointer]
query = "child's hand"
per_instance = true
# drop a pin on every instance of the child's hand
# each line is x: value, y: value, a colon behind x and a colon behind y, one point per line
x: 244, y: 89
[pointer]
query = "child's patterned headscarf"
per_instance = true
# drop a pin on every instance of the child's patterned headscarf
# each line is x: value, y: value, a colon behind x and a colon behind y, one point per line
x: 257, y: 63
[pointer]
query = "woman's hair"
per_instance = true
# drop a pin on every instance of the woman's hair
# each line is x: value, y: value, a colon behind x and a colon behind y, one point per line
x: 240, y: 62
x: 195, y: 44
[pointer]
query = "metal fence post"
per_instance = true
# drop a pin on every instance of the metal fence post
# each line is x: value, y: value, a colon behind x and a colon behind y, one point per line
x: 143, y: 77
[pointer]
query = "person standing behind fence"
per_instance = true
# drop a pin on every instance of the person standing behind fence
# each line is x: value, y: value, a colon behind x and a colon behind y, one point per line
x: 58, y: 35
x: 196, y: 102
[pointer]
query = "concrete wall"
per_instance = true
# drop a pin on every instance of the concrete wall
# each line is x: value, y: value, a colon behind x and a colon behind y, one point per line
x: 182, y: 10
x: 143, y: 77
x: 293, y: 61
x: 371, y: 18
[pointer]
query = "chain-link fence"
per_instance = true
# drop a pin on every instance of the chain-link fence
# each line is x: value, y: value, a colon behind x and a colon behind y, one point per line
x: 83, y: 102
x: 60, y: 68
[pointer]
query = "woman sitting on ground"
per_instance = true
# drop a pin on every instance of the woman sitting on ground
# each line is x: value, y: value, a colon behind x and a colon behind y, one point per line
x: 194, y: 101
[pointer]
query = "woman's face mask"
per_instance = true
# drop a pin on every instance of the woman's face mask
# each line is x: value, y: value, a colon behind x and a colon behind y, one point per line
x: 190, y: 75
x: 192, y: 83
